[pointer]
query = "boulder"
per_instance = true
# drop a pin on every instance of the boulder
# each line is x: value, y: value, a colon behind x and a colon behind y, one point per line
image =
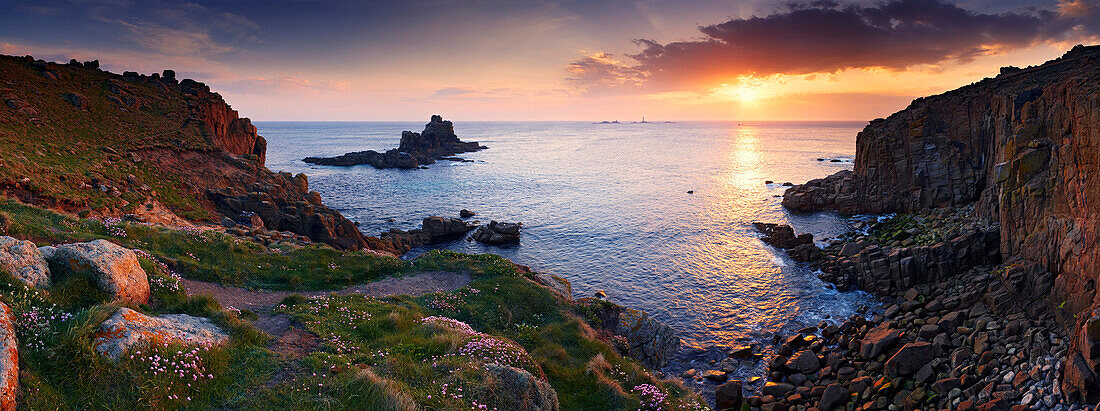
x: 877, y: 341
x: 804, y: 361
x: 466, y: 213
x: 728, y: 395
x: 782, y: 235
x: 498, y: 233
x: 443, y: 227
x: 23, y: 260
x: 77, y: 100
x: 805, y: 253
x: 517, y: 389
x: 9, y: 361
x: 115, y: 269
x: 833, y: 396
x: 777, y: 389
x: 128, y: 328
x: 910, y: 358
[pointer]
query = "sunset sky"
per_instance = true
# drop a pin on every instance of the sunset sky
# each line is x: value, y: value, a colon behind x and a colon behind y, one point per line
x: 558, y: 60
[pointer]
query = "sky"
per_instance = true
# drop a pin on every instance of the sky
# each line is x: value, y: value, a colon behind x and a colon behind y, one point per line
x: 585, y: 60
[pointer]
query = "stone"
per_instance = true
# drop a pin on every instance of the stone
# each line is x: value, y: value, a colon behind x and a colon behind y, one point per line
x: 24, y: 261
x: 805, y: 253
x: 77, y: 100
x: 442, y: 227
x: 877, y: 341
x: 782, y: 235
x: 498, y: 233
x: 127, y: 328
x: 910, y: 358
x: 715, y: 375
x: 728, y: 395
x: 804, y: 361
x: 115, y: 269
x: 9, y: 362
x: 834, y: 395
x: 741, y: 352
x: 466, y: 213
x: 777, y: 389
x: 518, y: 389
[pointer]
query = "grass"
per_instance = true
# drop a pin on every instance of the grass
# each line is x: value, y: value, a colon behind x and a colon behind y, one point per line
x: 502, y: 341
x: 210, y: 255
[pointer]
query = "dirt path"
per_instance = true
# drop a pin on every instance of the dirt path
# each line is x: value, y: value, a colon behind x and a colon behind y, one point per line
x: 263, y: 302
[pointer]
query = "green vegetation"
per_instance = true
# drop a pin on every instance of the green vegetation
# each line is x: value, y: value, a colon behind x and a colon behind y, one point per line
x: 72, y: 157
x: 501, y: 341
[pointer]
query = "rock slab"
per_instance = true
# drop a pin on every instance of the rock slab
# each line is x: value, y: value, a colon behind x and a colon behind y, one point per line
x: 9, y: 362
x: 127, y: 328
x: 24, y: 260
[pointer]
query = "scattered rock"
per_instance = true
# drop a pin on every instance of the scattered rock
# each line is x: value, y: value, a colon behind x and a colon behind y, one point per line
x: 782, y: 236
x: 77, y: 100
x: 466, y: 213
x: 498, y: 233
x: 833, y: 396
x: 24, y: 260
x: 728, y: 395
x: 115, y: 269
x: 128, y: 328
x: 518, y: 389
x: 910, y: 358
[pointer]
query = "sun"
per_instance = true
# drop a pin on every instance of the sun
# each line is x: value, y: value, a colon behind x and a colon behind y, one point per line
x: 746, y: 90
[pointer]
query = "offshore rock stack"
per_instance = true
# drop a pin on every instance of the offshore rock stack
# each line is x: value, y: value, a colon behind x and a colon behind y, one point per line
x: 437, y: 142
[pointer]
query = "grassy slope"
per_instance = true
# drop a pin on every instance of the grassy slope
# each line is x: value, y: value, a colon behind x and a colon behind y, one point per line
x: 374, y: 353
x: 61, y: 147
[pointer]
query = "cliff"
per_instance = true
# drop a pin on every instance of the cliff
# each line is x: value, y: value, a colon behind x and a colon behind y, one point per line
x: 1024, y: 149
x: 150, y: 147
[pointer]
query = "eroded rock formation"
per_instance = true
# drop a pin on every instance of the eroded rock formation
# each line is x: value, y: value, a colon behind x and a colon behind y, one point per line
x: 438, y: 141
x: 1023, y: 148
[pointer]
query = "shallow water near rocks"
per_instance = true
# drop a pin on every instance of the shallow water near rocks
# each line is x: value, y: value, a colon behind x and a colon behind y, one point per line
x: 607, y: 207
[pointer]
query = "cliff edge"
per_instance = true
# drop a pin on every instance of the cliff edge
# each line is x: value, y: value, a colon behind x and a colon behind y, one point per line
x: 1022, y: 148
x: 149, y: 147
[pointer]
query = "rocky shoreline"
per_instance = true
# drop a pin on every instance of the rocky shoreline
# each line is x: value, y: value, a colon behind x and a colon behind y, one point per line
x: 951, y: 342
x: 437, y: 142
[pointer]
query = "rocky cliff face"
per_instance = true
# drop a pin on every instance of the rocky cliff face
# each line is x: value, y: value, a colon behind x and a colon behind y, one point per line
x: 1024, y: 148
x: 77, y: 138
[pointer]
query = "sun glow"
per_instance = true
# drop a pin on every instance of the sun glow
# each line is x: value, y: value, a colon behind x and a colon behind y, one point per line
x: 746, y: 90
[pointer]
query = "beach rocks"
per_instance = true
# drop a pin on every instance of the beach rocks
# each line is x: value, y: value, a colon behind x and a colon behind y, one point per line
x: 128, y: 328
x: 498, y: 233
x: 782, y: 236
x: 517, y: 389
x: 804, y: 361
x: 9, y: 360
x: 728, y: 395
x: 466, y: 213
x: 115, y: 269
x: 910, y: 358
x: 442, y: 227
x: 23, y: 260
x: 878, y: 340
x: 834, y: 395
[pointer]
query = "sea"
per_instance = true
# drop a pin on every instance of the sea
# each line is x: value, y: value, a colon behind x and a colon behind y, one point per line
x: 656, y: 215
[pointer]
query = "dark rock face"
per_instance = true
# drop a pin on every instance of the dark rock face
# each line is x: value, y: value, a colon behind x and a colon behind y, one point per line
x: 498, y: 233
x: 883, y: 270
x: 432, y: 229
x: 728, y: 395
x: 437, y: 141
x: 647, y: 340
x: 782, y: 235
x: 1023, y: 148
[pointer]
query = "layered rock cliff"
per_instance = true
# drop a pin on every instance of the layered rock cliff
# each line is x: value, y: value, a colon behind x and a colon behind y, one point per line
x: 1024, y: 149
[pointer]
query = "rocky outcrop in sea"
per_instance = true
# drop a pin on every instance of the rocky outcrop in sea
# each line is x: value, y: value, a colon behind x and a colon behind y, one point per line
x: 437, y: 142
x: 1021, y: 149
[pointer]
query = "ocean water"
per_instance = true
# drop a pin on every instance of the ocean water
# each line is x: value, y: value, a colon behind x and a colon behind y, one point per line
x: 607, y: 207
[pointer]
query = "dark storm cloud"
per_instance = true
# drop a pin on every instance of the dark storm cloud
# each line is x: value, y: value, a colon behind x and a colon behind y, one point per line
x: 825, y: 36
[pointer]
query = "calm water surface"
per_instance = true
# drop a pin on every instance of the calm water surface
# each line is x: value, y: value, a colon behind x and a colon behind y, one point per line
x: 607, y: 207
